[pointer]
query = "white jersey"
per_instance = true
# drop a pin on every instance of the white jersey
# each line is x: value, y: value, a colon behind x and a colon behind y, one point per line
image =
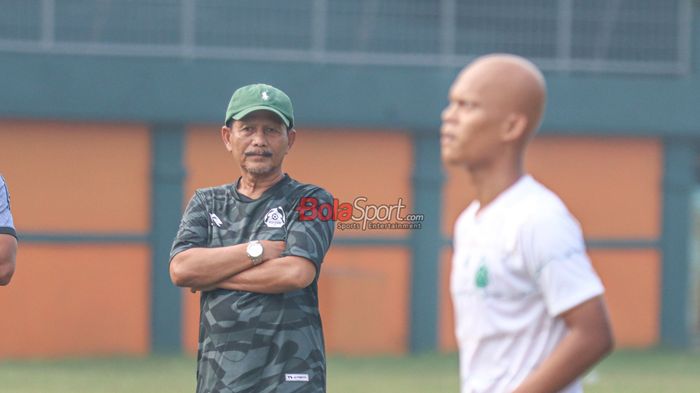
x: 518, y: 264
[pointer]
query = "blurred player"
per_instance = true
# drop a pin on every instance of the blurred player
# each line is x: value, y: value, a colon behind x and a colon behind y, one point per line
x: 530, y: 316
x: 8, y: 237
x: 255, y: 261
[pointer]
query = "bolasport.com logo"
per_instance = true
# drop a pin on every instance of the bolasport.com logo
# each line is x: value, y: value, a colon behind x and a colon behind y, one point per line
x: 359, y: 215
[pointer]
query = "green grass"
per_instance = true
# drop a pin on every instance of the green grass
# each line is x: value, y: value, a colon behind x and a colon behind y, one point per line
x: 647, y: 372
x: 104, y: 375
x: 424, y: 373
x: 624, y: 371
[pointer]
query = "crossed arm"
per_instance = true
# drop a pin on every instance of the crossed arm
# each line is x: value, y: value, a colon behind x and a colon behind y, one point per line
x: 588, y: 340
x: 230, y: 268
x: 8, y: 252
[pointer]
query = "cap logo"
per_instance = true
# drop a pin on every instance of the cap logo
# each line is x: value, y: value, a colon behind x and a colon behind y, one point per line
x: 265, y: 96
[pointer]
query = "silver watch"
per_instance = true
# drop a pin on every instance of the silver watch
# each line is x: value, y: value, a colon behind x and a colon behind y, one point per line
x: 255, y: 251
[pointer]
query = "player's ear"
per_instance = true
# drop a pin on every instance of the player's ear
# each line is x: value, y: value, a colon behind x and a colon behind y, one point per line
x: 226, y: 136
x: 515, y: 127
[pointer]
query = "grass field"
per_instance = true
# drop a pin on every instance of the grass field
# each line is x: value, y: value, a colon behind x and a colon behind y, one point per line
x: 624, y: 371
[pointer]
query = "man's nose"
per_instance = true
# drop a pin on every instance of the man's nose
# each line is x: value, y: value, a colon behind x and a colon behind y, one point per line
x: 448, y: 113
x: 259, y: 138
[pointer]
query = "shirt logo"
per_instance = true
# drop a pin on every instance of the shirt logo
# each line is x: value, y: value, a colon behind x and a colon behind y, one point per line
x: 265, y: 96
x: 215, y: 220
x: 274, y: 218
x: 296, y: 377
x: 481, y: 280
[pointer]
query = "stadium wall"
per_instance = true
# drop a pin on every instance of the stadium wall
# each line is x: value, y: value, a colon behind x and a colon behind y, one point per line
x: 97, y: 148
x: 81, y: 209
x: 85, y: 197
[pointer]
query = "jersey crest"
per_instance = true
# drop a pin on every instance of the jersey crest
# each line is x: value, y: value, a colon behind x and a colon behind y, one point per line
x: 481, y: 280
x: 275, y: 218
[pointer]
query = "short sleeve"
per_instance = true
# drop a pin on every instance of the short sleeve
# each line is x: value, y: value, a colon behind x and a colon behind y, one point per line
x: 555, y: 255
x: 194, y: 227
x: 7, y: 226
x: 311, y: 238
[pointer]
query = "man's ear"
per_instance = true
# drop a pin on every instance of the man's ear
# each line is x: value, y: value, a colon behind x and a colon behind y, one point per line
x: 515, y: 127
x: 291, y: 137
x: 226, y: 137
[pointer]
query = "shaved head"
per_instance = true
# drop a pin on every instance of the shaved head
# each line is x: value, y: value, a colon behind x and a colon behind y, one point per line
x: 496, y: 105
x: 510, y: 81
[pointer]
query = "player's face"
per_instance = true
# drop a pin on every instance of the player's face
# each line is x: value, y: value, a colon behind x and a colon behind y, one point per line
x: 469, y: 135
x: 259, y: 142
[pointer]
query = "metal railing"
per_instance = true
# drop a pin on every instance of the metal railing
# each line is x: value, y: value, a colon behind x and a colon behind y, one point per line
x: 628, y: 36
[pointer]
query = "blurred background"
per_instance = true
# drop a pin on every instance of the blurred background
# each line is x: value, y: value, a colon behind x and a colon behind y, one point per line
x: 110, y: 112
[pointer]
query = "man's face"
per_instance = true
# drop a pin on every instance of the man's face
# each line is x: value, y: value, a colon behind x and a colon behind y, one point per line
x: 258, y: 142
x: 471, y: 122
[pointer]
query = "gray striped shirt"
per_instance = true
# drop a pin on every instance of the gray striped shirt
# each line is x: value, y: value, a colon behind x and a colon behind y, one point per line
x: 6, y: 224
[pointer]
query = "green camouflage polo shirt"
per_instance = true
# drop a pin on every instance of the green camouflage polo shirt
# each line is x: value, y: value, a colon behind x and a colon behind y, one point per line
x: 252, y: 342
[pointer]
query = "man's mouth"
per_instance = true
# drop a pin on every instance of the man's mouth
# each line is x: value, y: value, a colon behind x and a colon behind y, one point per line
x: 446, y: 137
x: 258, y: 154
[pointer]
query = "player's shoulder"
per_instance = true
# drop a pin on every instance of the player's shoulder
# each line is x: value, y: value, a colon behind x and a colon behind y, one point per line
x: 296, y: 190
x: 467, y: 213
x: 222, y: 192
x: 542, y: 206
x: 535, y: 196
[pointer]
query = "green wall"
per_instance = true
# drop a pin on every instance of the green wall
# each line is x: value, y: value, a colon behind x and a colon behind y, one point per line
x: 176, y: 90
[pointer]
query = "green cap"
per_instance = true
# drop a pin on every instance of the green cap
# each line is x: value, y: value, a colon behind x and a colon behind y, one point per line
x: 260, y: 97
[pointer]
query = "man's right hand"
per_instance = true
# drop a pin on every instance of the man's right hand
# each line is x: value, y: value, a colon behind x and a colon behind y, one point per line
x: 272, y: 249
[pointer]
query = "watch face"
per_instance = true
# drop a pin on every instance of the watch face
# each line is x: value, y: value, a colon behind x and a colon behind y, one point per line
x: 255, y: 249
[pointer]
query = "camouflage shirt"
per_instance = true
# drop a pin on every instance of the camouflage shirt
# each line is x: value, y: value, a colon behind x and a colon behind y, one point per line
x: 252, y: 342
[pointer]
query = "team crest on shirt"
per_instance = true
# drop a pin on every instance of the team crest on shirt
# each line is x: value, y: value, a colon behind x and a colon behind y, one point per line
x: 481, y: 279
x: 274, y: 218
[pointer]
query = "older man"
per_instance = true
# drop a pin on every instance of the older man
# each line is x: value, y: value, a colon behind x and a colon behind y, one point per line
x: 256, y: 263
x: 8, y: 237
x: 530, y: 316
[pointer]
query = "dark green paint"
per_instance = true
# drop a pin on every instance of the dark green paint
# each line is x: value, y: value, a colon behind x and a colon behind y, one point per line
x: 426, y: 243
x: 679, y: 157
x: 168, y: 143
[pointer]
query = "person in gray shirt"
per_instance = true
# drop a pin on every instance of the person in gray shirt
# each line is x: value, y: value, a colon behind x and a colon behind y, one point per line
x: 8, y: 237
x: 256, y: 259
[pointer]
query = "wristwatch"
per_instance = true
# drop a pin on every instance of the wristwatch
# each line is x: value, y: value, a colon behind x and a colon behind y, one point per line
x: 255, y: 251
